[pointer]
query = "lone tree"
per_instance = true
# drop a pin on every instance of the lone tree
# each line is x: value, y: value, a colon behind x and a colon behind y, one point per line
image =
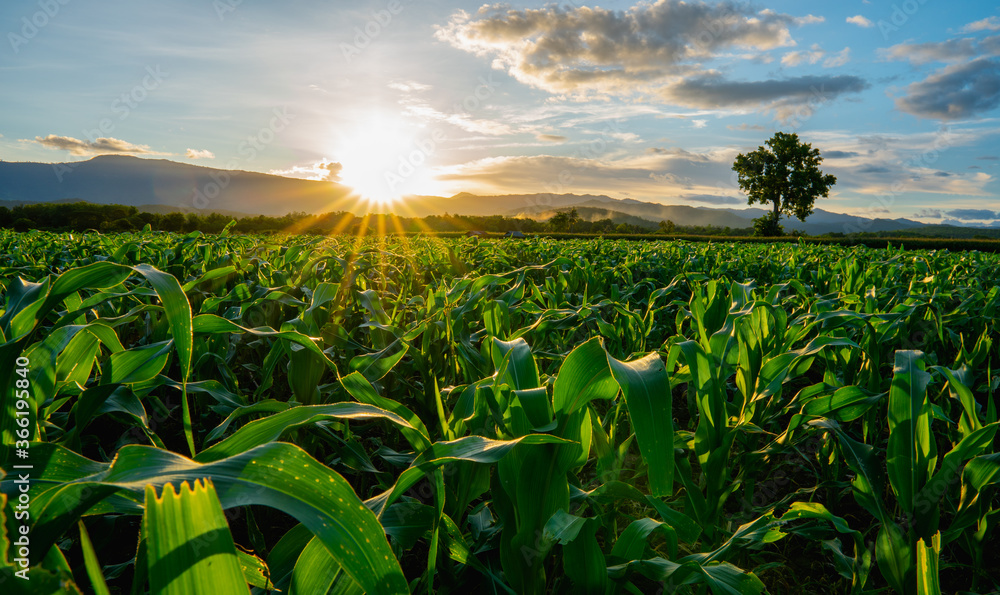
x: 785, y: 173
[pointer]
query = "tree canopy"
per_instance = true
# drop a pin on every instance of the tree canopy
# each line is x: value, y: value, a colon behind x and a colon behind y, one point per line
x: 785, y: 174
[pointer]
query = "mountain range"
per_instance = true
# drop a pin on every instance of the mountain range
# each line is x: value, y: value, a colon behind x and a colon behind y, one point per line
x: 160, y: 185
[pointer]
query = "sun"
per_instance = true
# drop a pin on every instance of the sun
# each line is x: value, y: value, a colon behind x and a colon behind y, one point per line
x: 381, y: 157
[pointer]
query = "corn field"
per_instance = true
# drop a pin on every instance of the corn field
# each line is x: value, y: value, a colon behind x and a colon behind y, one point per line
x: 285, y: 414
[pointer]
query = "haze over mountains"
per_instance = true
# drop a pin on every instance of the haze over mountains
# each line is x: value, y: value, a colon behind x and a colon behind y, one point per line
x: 158, y: 185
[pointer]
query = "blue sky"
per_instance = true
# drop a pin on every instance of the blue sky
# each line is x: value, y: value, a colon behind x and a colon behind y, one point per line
x: 648, y: 100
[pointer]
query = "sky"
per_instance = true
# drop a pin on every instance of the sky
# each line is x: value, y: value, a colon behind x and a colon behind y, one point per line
x: 643, y: 100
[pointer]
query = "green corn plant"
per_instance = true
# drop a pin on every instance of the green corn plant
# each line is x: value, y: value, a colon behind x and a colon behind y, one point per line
x: 188, y: 546
x: 439, y: 386
x: 273, y: 474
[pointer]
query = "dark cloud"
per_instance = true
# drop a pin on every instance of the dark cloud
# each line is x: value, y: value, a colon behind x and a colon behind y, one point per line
x: 874, y: 169
x: 943, y: 174
x: 972, y: 214
x: 964, y: 223
x: 679, y: 153
x: 974, y: 167
x: 746, y: 127
x: 958, y: 91
x: 967, y: 87
x: 988, y: 158
x: 929, y: 214
x: 99, y: 146
x: 647, y: 48
x: 840, y: 154
x: 781, y: 94
x: 670, y: 151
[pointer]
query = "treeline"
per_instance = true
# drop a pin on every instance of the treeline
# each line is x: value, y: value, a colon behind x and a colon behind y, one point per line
x: 943, y: 231
x: 84, y: 216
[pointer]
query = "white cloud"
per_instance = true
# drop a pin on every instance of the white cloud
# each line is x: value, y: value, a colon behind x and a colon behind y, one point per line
x: 814, y: 55
x: 659, y: 174
x: 699, y: 123
x: 860, y: 21
x: 952, y: 50
x: 199, y: 154
x: 425, y: 112
x: 323, y: 171
x: 409, y: 86
x: 418, y: 107
x: 987, y: 24
x: 806, y: 20
x: 100, y: 146
x: 839, y: 59
x: 672, y: 179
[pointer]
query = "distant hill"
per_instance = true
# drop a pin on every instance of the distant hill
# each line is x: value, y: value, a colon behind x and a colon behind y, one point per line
x: 649, y: 215
x: 116, y: 179
x: 526, y: 205
x: 680, y: 214
x: 159, y: 185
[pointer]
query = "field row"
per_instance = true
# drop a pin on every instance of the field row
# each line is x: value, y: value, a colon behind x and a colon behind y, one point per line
x: 392, y: 415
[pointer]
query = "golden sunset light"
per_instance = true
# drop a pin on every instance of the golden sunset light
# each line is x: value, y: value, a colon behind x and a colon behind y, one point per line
x: 370, y: 152
x: 673, y: 297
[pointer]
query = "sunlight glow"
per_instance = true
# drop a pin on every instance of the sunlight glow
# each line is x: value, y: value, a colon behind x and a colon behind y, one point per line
x: 383, y: 158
